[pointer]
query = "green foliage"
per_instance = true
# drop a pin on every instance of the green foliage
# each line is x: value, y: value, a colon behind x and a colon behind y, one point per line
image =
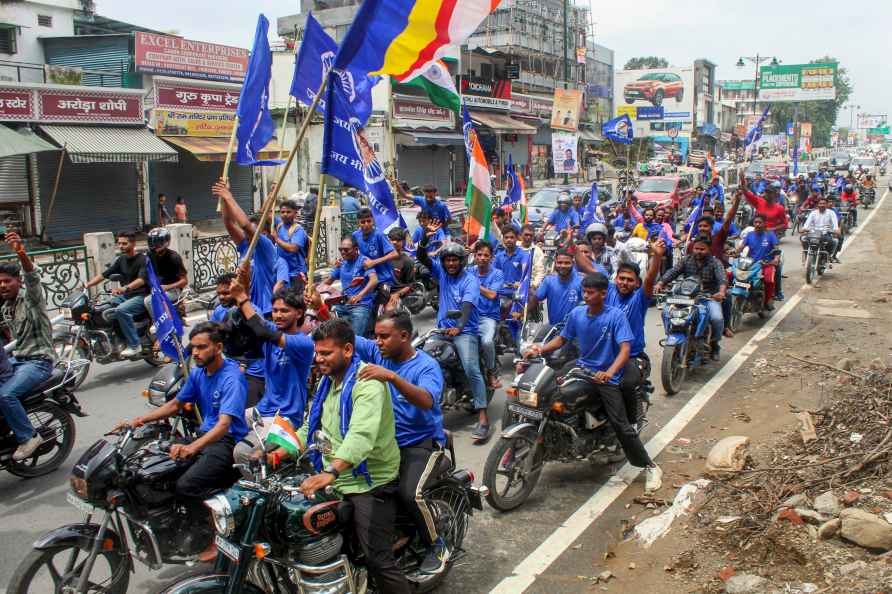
x: 644, y: 62
x: 822, y: 114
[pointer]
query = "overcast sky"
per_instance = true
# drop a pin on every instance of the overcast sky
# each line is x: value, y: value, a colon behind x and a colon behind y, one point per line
x: 856, y: 32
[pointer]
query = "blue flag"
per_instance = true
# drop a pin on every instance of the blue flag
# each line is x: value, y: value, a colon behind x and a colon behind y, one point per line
x: 513, y: 193
x: 168, y: 325
x: 755, y: 133
x: 591, y: 209
x: 795, y: 158
x: 255, y: 124
x: 314, y: 60
x: 467, y: 127
x: 619, y: 129
x: 348, y: 156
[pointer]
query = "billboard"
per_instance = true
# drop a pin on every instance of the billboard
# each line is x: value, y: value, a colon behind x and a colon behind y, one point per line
x: 797, y: 82
x: 870, y: 121
x: 563, y: 149
x: 176, y: 56
x: 172, y: 122
x: 655, y: 95
x: 565, y: 110
x: 174, y: 95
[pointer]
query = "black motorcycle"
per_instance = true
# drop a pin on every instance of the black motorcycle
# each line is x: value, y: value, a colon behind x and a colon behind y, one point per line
x: 272, y: 539
x: 816, y: 255
x: 543, y: 422
x: 423, y: 292
x: 49, y: 407
x: 128, y: 487
x: 868, y: 196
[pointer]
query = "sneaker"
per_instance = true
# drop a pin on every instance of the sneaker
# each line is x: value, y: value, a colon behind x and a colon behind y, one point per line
x: 779, y: 297
x: 130, y: 352
x: 27, y: 449
x: 435, y: 561
x: 480, y: 433
x: 653, y: 479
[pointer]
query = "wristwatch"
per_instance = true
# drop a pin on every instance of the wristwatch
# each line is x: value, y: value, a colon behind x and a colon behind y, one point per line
x: 330, y: 469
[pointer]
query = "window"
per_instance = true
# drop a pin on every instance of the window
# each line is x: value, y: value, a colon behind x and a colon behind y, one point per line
x: 7, y: 40
x: 44, y: 20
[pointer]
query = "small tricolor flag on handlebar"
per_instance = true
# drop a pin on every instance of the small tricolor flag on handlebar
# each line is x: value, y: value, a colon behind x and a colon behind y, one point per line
x: 282, y: 434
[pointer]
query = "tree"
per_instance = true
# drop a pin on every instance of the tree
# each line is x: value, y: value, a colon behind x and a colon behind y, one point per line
x: 645, y: 62
x: 821, y: 114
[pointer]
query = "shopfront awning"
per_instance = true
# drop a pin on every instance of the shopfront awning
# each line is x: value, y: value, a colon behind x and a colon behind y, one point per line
x: 214, y: 149
x: 500, y: 123
x: 105, y: 144
x: 21, y: 142
x: 418, y: 138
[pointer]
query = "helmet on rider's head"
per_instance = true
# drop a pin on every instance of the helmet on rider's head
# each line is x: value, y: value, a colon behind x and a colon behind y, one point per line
x: 775, y: 185
x: 849, y: 188
x: 564, y: 198
x: 595, y: 228
x: 158, y: 237
x: 453, y: 249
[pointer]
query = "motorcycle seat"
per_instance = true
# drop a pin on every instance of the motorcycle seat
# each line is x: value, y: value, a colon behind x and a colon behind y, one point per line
x: 36, y: 395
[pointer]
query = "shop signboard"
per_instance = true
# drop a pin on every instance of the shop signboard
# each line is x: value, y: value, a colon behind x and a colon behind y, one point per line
x: 649, y: 112
x: 797, y: 82
x: 865, y: 121
x: 879, y: 131
x: 628, y: 110
x: 210, y: 124
x: 565, y: 111
x: 486, y: 102
x: 168, y: 55
x: 172, y: 95
x: 563, y: 147
x: 69, y: 104
x: 17, y: 104
x: 671, y: 89
x: 528, y: 104
x: 500, y: 88
x: 420, y: 110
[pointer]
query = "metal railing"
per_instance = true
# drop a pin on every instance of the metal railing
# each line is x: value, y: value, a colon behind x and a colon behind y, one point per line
x: 61, y: 270
x: 211, y: 257
x: 349, y: 222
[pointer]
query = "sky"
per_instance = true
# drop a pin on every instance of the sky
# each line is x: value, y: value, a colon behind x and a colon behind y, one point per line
x: 856, y: 32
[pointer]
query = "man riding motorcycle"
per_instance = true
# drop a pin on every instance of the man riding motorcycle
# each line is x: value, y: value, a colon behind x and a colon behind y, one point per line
x: 603, y: 255
x: 761, y: 244
x: 563, y: 218
x: 849, y: 195
x: 358, y: 282
x: 824, y: 220
x: 562, y: 290
x: 168, y: 266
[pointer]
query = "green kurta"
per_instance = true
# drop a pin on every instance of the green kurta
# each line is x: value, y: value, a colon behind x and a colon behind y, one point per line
x: 370, y: 437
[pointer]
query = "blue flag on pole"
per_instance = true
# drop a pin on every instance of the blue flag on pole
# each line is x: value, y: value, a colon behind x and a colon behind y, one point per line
x: 755, y: 133
x: 591, y: 209
x: 619, y: 129
x: 168, y: 325
x: 255, y: 124
x: 348, y: 156
x: 314, y: 60
x: 795, y: 157
x: 513, y: 193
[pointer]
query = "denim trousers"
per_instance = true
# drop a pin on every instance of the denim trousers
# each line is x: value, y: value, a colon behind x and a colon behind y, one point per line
x: 468, y: 348
x: 125, y: 310
x: 26, y: 375
x: 357, y: 314
x: 716, y: 319
x: 487, y: 342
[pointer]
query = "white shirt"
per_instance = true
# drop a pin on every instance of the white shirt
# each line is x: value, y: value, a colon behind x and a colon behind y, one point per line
x: 821, y: 221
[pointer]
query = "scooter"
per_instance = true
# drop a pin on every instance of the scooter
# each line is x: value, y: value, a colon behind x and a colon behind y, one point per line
x: 747, y: 289
x: 688, y: 332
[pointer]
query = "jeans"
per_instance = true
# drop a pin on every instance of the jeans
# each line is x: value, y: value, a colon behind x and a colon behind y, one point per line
x: 26, y: 375
x: 468, y: 351
x: 417, y: 462
x: 487, y: 342
x: 357, y: 314
x: 716, y: 319
x: 125, y: 310
x: 173, y: 295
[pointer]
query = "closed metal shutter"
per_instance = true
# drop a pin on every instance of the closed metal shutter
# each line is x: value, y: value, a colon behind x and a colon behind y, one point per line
x: 14, y: 179
x: 110, y: 55
x: 426, y: 165
x: 192, y: 179
x: 92, y: 197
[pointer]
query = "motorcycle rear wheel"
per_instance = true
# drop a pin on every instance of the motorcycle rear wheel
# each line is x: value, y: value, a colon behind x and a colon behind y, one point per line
x: 513, y: 453
x: 57, y: 428
x: 673, y: 369
x: 22, y: 581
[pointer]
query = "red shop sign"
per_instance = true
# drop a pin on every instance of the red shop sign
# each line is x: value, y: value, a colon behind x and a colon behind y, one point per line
x: 195, y: 97
x: 90, y: 107
x: 16, y: 104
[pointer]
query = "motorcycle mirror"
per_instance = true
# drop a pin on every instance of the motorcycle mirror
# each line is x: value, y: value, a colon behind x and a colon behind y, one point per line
x: 322, y: 441
x: 256, y: 418
x: 453, y: 314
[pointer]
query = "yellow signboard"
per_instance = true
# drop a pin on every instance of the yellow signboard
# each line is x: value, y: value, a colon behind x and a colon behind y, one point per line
x: 629, y: 110
x: 565, y: 111
x: 193, y: 123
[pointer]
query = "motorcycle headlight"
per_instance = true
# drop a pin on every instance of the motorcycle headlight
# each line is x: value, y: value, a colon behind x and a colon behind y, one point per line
x: 221, y: 513
x: 678, y: 314
x: 741, y: 275
x: 528, y: 398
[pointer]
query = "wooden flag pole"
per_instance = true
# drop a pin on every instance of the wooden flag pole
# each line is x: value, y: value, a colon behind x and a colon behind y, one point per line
x: 228, y: 160
x: 317, y: 217
x: 272, y: 212
x: 271, y: 198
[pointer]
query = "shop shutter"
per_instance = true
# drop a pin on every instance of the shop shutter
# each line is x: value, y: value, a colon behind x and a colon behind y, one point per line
x: 92, y: 197
x: 425, y: 165
x: 14, y: 179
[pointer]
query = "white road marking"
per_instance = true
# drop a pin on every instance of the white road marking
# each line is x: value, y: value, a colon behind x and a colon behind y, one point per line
x: 566, y: 534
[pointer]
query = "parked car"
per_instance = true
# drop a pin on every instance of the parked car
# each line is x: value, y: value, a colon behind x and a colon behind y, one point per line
x: 665, y: 191
x: 654, y: 87
x: 840, y: 160
x: 544, y: 201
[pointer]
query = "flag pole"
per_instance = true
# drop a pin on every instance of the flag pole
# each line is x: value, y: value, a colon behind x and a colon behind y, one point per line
x: 228, y: 160
x: 272, y: 211
x: 317, y: 217
x: 271, y: 198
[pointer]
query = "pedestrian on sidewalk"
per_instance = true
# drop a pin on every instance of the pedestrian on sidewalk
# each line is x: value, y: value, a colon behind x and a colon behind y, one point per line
x: 163, y: 213
x: 179, y: 210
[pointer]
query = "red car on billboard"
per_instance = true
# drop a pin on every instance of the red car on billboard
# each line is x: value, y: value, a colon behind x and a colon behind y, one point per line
x: 654, y: 87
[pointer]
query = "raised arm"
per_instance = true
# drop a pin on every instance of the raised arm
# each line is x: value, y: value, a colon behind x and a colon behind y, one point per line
x: 236, y: 221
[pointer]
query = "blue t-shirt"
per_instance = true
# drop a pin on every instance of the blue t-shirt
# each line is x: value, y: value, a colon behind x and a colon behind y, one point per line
x: 599, y: 337
x: 287, y: 370
x: 758, y: 187
x: 413, y: 423
x: 511, y: 266
x: 595, y: 264
x: 294, y: 234
x: 634, y: 306
x: 349, y: 204
x: 561, y: 297
x: 435, y: 241
x: 348, y: 271
x: 562, y: 220
x: 761, y: 244
x: 732, y: 228
x: 438, y: 210
x: 263, y: 272
x: 253, y: 367
x: 492, y: 280
x: 716, y: 192
x: 283, y: 275
x: 455, y: 290
x: 375, y: 246
x: 225, y: 392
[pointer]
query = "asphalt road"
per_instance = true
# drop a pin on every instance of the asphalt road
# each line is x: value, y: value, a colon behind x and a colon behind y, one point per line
x: 495, y: 542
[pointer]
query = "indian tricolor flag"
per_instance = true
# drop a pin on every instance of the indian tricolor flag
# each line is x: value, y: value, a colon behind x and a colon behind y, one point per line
x: 477, y: 199
x: 437, y: 83
x: 282, y: 434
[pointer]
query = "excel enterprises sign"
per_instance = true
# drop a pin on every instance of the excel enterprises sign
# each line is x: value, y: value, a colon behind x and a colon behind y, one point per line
x: 797, y: 82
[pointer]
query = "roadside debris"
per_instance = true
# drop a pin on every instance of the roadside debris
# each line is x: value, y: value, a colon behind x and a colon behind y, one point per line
x: 728, y: 456
x: 654, y: 527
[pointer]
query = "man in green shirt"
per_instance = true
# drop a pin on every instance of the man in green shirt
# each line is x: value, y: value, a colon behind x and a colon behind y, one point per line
x: 364, y: 461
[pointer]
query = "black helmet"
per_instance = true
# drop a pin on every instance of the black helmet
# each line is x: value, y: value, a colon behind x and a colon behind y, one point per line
x: 158, y: 237
x: 454, y: 249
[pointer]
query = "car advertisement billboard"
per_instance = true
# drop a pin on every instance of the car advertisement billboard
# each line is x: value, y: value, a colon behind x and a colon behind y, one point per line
x: 648, y: 91
x: 797, y: 82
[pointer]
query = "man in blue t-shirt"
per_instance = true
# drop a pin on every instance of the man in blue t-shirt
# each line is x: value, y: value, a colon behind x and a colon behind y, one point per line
x: 563, y: 218
x: 292, y: 244
x: 241, y: 229
x: 287, y: 357
x: 562, y: 290
x: 358, y: 281
x: 378, y: 251
x: 762, y: 244
x: 605, y: 341
x: 511, y: 261
x: 217, y: 388
x: 430, y: 204
x: 436, y: 241
x: 416, y: 385
x: 459, y: 290
x: 491, y: 282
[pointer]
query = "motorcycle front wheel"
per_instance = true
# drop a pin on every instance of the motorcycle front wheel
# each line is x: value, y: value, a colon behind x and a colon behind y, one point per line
x: 737, y: 304
x: 509, y: 484
x: 673, y: 369
x: 46, y: 570
x: 811, y: 269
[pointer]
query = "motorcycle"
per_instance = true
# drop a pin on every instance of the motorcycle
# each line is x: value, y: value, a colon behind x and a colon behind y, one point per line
x: 128, y: 485
x: 868, y: 196
x: 424, y: 287
x: 846, y: 217
x: 271, y: 538
x: 747, y: 288
x: 815, y: 255
x: 540, y: 426
x: 49, y: 407
x: 688, y: 332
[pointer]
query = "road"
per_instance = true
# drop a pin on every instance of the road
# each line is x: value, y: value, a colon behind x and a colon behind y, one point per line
x: 495, y: 543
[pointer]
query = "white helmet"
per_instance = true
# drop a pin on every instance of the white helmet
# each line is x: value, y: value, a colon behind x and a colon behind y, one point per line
x: 596, y: 228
